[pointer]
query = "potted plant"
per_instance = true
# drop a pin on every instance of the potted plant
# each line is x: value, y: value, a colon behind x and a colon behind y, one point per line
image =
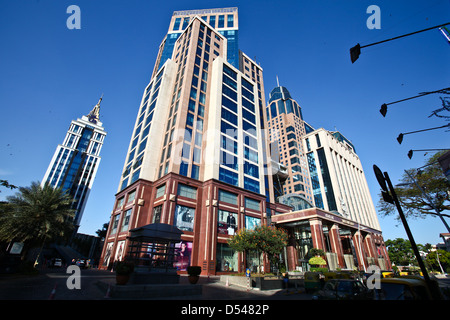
x: 194, y: 273
x: 123, y: 271
x: 317, y: 263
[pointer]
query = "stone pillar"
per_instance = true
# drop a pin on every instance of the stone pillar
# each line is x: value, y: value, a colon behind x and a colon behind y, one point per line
x: 317, y: 233
x: 336, y: 244
x: 371, y: 249
x: 360, y: 252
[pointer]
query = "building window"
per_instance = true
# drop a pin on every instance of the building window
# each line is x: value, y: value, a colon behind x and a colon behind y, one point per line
x: 160, y: 191
x: 115, y: 224
x: 228, y: 176
x: 252, y: 204
x: 248, y: 116
x: 229, y: 104
x: 184, y: 168
x: 227, y: 222
x: 184, y: 218
x: 250, y: 154
x: 251, y: 185
x: 212, y: 21
x: 226, y: 258
x: 126, y: 220
x: 187, y: 191
x: 120, y: 203
x: 221, y: 23
x: 230, y: 21
x: 195, y: 171
x: 131, y: 196
x: 251, y: 169
x: 251, y: 222
x: 157, y: 214
x: 229, y: 160
x: 228, y: 197
x: 229, y: 116
x: 229, y: 72
x: 176, y: 25
x: 229, y: 145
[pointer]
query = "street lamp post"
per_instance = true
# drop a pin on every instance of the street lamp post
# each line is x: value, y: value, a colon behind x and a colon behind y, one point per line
x: 400, y: 136
x: 356, y: 50
x: 390, y: 196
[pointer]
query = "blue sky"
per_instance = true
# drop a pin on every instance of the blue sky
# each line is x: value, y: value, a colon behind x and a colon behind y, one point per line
x: 50, y: 75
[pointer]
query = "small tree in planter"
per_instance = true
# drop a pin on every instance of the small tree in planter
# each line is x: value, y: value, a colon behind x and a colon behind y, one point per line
x: 317, y: 264
x: 194, y: 273
x: 123, y: 271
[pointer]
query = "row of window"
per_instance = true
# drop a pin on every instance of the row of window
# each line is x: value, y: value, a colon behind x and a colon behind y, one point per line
x: 216, y: 21
x: 184, y: 216
x: 137, y: 151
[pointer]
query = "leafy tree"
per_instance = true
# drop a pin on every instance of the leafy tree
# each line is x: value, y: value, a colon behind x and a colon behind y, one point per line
x: 414, y: 203
x: 444, y: 260
x: 36, y: 215
x: 445, y: 101
x: 401, y: 252
x: 266, y: 239
x: 5, y: 183
x: 101, y: 233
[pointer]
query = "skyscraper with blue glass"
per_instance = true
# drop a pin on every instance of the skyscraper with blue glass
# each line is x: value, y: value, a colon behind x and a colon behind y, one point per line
x: 198, y: 156
x: 75, y: 161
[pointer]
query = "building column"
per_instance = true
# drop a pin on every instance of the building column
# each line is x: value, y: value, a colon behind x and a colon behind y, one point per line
x: 317, y: 233
x: 359, y: 248
x: 207, y: 237
x: 371, y: 249
x: 336, y: 244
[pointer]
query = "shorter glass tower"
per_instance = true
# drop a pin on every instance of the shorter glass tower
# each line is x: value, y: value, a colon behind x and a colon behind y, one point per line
x: 286, y: 130
x: 75, y: 161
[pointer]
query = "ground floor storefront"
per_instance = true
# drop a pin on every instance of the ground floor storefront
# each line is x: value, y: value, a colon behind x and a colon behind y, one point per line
x: 347, y: 244
x: 209, y: 213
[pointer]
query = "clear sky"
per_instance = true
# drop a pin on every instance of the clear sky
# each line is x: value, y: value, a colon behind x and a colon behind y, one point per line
x: 50, y: 75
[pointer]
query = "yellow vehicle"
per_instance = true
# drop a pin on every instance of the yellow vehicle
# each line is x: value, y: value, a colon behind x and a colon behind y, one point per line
x: 313, y: 281
x: 403, y: 288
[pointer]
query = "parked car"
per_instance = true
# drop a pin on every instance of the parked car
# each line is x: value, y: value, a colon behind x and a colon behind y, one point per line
x: 343, y: 289
x: 81, y: 263
x: 55, y: 263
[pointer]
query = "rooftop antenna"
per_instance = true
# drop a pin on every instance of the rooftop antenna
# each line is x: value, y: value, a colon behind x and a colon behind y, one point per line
x: 278, y: 83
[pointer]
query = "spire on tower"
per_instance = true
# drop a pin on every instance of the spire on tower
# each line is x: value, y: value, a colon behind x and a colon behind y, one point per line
x: 94, y: 115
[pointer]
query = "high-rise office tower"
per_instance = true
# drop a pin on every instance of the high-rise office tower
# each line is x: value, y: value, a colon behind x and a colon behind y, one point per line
x: 286, y: 130
x: 75, y: 161
x: 327, y: 189
x: 198, y: 156
x: 339, y: 181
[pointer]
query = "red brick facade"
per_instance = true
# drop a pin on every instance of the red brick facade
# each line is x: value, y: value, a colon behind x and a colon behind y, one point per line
x: 205, y: 236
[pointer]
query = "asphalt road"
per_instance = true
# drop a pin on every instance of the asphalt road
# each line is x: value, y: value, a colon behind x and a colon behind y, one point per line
x: 54, y: 284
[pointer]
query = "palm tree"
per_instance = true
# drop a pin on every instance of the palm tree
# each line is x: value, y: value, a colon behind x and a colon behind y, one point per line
x: 36, y: 215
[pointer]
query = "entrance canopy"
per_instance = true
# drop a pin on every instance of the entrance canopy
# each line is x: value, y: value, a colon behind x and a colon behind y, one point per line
x: 152, y: 247
x: 156, y: 232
